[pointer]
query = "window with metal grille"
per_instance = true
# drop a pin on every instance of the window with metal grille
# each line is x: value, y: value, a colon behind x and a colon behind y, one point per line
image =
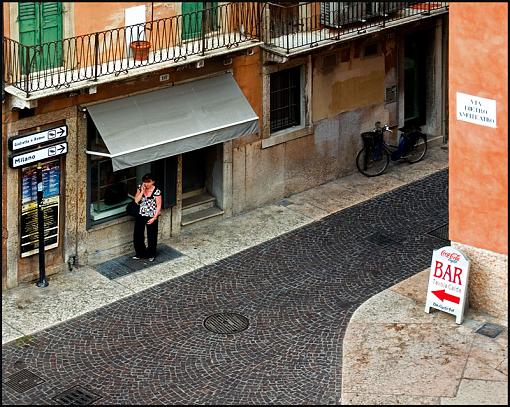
x: 285, y: 110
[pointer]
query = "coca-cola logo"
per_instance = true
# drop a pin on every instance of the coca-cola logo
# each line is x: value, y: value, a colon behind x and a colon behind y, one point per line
x: 451, y: 256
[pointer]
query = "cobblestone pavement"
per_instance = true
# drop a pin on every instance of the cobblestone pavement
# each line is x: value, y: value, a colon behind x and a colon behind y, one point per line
x: 298, y: 292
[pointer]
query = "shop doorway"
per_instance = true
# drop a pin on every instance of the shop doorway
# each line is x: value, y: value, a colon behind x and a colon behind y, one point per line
x: 193, y: 172
x: 415, y: 78
x: 202, y: 184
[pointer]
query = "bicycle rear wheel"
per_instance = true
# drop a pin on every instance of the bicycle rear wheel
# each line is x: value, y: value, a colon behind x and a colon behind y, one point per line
x: 371, y: 166
x: 418, y: 151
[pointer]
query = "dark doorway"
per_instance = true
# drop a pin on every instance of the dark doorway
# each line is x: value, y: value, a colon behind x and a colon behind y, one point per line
x: 193, y: 170
x: 415, y: 80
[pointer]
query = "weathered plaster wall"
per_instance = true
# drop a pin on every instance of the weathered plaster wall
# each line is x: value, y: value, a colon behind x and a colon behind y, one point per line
x: 346, y: 99
x: 478, y: 178
x: 488, y: 280
x: 247, y: 73
x: 355, y: 84
x: 6, y: 118
x: 6, y: 17
x: 99, y: 16
x: 479, y: 154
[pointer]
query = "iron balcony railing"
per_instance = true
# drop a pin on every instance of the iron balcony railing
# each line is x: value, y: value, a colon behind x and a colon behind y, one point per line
x: 293, y: 28
x: 91, y: 56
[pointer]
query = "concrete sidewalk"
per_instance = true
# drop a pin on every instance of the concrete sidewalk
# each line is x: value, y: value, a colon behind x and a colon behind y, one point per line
x: 395, y: 353
x: 368, y: 355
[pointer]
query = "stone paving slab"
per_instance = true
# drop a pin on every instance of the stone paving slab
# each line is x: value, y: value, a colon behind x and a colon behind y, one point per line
x: 9, y: 333
x: 158, y: 274
x: 29, y: 309
x: 214, y: 243
x: 479, y: 392
x: 395, y: 353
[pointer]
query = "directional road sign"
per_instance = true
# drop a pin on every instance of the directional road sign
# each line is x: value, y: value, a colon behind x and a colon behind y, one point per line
x: 30, y: 157
x: 30, y: 140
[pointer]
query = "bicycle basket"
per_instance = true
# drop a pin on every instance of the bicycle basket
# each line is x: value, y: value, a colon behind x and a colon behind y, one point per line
x: 368, y: 139
x: 371, y: 139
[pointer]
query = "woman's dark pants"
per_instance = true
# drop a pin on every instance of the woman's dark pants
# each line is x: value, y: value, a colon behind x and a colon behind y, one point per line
x: 139, y: 237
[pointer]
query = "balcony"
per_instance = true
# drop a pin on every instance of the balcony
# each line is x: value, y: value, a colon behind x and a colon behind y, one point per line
x: 292, y: 29
x: 32, y: 72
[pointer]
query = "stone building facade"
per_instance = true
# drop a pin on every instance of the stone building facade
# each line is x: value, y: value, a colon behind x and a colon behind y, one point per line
x: 307, y: 82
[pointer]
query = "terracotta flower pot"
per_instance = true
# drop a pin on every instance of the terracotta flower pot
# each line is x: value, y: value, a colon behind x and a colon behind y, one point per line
x: 140, y: 50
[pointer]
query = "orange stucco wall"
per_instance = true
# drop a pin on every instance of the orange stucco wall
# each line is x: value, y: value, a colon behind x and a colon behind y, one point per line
x: 98, y: 16
x: 6, y: 17
x: 478, y: 184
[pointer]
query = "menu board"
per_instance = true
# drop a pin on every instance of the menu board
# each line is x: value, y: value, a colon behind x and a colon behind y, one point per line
x: 51, y: 201
x: 29, y: 229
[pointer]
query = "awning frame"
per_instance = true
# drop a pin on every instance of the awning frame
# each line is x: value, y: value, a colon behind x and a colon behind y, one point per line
x: 177, y: 119
x: 166, y: 142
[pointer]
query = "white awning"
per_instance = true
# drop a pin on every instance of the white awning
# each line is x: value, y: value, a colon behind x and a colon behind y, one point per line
x: 147, y: 127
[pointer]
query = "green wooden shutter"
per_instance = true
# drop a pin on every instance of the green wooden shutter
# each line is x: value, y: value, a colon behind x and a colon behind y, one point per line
x: 191, y: 20
x: 51, y: 32
x: 28, y: 23
x: 28, y: 17
x: 39, y: 23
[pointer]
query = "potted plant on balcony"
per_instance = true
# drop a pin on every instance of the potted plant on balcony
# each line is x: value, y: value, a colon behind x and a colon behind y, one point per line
x: 140, y: 50
x: 140, y: 42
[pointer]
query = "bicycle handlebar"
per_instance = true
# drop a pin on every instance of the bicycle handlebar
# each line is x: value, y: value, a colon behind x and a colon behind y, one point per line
x: 383, y: 128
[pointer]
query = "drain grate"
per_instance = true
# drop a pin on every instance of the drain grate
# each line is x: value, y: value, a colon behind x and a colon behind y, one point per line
x: 23, y: 380
x: 124, y: 265
x: 441, y: 232
x: 490, y: 330
x: 382, y: 239
x: 76, y: 395
x: 226, y: 323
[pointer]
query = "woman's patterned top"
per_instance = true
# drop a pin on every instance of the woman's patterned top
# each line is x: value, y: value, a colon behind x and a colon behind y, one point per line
x: 148, y: 204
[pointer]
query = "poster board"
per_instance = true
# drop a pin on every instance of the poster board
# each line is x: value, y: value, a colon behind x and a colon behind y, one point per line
x: 51, y: 207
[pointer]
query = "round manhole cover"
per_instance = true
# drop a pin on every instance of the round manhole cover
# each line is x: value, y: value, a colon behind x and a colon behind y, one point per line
x: 226, y: 323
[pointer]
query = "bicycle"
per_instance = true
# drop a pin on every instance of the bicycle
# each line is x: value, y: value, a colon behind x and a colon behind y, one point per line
x: 373, y: 159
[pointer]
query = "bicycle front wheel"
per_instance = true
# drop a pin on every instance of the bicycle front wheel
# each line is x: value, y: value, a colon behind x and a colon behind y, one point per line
x: 418, y: 151
x: 370, y: 165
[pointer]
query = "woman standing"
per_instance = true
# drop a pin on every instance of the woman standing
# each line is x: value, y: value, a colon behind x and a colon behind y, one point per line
x: 149, y: 199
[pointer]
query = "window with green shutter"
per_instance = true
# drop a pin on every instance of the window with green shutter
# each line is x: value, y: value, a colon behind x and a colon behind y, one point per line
x: 40, y: 26
x: 198, y: 16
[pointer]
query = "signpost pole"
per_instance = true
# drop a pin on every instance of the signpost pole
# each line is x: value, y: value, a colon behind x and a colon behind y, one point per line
x: 40, y: 228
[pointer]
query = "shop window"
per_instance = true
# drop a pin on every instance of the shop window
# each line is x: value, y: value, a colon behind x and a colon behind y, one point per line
x: 110, y: 191
x: 285, y: 100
